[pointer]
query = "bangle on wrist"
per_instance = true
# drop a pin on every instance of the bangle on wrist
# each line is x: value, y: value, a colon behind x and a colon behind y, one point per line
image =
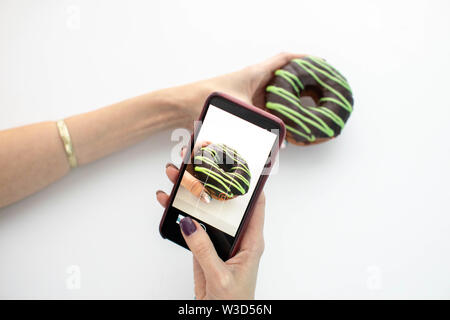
x: 67, y: 142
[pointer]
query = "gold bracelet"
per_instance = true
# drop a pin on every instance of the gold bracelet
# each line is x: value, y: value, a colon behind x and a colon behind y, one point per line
x: 65, y: 137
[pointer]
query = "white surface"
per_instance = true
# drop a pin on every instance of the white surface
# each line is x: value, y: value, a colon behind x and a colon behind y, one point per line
x: 254, y: 145
x: 364, y: 216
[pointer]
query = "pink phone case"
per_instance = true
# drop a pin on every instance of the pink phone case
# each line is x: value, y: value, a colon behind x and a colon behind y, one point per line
x: 260, y: 186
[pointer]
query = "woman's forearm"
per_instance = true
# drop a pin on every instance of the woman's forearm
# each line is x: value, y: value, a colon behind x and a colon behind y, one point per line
x: 98, y: 133
x: 33, y: 156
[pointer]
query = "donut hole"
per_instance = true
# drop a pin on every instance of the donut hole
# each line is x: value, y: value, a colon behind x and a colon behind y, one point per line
x: 310, y: 96
x: 226, y: 162
x: 227, y: 166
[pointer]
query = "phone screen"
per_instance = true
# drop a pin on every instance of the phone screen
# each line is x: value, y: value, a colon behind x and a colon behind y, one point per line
x: 229, y: 156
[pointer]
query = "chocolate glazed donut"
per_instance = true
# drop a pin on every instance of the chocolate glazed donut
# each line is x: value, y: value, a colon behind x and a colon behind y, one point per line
x: 222, y: 170
x: 313, y: 77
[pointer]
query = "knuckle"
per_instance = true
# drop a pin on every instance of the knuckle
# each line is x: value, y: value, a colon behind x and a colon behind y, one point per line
x: 196, y: 185
x: 225, y: 280
x: 285, y: 56
x: 202, y: 250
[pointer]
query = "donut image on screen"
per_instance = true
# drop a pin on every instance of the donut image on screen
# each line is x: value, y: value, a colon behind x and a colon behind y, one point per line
x: 222, y: 170
x: 313, y: 122
x: 227, y: 157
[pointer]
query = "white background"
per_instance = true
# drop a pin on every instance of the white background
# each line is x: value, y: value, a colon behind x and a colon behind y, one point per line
x: 364, y: 216
x: 253, y: 144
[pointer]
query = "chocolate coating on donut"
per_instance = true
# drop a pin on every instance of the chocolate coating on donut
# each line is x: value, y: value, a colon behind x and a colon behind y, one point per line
x: 222, y: 170
x: 310, y: 124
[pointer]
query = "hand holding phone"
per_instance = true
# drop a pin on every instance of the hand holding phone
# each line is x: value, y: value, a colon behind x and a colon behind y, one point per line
x: 230, y: 224
x: 214, y: 278
x: 231, y: 153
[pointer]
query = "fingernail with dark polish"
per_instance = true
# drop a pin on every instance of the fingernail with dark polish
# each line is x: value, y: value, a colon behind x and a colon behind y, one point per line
x: 187, y: 226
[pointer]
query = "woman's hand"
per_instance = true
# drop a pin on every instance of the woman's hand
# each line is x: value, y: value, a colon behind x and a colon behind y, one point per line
x: 247, y: 84
x: 195, y: 187
x: 213, y: 278
x: 189, y: 181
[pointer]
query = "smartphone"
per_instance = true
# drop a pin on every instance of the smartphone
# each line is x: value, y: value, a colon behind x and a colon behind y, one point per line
x: 233, y: 149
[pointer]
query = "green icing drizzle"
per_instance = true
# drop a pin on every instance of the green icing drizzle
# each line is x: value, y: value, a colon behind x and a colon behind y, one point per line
x: 241, y: 177
x: 311, y: 138
x: 225, y: 183
x: 325, y: 73
x: 328, y: 67
x: 303, y: 115
x: 292, y: 79
x: 330, y: 114
x: 213, y: 175
x: 234, y: 155
x: 234, y: 182
x: 315, y: 121
x: 211, y: 152
x: 229, y: 195
x: 347, y: 104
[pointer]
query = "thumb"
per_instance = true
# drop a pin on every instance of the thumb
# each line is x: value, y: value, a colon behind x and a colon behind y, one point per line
x: 279, y: 60
x: 201, y: 246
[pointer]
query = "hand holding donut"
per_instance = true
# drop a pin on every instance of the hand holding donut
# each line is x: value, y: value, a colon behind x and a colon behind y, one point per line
x: 215, y: 171
x: 313, y: 77
x: 247, y: 84
x: 190, y: 182
x: 225, y: 174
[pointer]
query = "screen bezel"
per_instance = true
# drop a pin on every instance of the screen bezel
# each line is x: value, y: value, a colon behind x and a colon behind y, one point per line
x: 223, y: 242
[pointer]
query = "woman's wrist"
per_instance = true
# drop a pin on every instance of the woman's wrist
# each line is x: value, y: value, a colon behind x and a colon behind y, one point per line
x: 172, y: 101
x: 188, y: 100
